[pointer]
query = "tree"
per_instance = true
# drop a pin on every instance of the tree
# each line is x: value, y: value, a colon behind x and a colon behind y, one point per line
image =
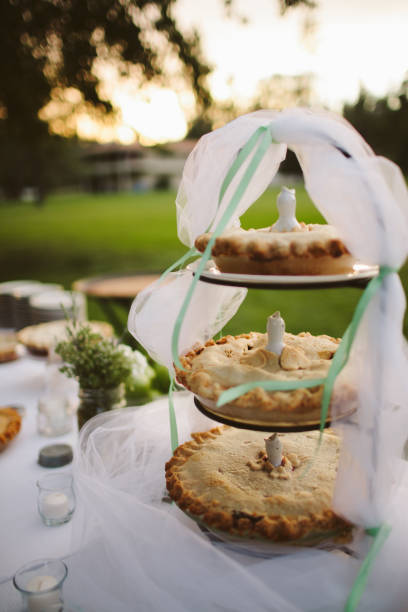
x: 383, y: 123
x: 51, y: 46
x: 48, y: 46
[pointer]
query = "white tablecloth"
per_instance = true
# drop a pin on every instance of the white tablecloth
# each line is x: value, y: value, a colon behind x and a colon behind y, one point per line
x: 23, y: 536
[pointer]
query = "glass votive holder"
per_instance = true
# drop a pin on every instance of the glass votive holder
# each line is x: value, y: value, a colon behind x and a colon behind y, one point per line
x: 56, y: 498
x: 55, y: 415
x: 40, y: 584
x: 59, y: 400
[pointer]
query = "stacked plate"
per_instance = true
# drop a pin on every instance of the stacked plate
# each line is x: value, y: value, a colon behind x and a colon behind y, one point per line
x: 55, y: 305
x: 22, y: 296
x: 7, y: 299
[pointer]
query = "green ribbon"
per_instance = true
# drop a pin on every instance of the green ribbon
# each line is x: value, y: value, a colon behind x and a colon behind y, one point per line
x: 172, y: 418
x: 342, y: 354
x: 240, y: 159
x: 269, y: 385
x: 242, y: 156
x: 260, y: 142
x: 380, y: 534
x: 339, y: 360
x: 177, y: 264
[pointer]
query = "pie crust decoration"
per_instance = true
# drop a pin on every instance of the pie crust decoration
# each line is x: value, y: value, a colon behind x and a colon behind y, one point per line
x: 233, y: 360
x: 10, y: 424
x: 40, y: 339
x: 310, y: 249
x: 223, y: 478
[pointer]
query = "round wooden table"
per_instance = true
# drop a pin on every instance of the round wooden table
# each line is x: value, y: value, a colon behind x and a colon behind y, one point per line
x: 114, y: 294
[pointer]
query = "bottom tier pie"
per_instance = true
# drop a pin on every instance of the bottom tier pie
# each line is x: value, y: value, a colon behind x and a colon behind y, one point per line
x: 224, y: 479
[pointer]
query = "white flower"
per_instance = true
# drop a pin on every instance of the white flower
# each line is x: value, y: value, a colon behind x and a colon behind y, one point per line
x: 141, y: 373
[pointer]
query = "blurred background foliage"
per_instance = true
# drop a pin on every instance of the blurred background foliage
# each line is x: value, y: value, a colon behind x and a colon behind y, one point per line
x: 57, y: 54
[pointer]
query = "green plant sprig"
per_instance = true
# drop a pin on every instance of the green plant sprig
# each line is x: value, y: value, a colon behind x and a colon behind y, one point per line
x: 96, y: 362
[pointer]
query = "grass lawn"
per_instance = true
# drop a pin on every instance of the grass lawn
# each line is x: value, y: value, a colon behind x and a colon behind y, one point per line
x: 75, y: 236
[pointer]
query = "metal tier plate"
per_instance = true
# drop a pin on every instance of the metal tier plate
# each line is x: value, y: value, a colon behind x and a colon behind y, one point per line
x: 289, y: 427
x: 360, y: 277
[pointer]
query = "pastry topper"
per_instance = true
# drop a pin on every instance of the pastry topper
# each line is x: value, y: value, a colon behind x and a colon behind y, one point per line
x: 286, y: 204
x: 275, y: 329
x: 273, y: 447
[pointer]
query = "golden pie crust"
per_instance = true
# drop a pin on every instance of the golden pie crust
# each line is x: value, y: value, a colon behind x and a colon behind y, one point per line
x: 8, y: 347
x: 10, y: 424
x: 211, y: 369
x: 40, y: 339
x: 223, y: 478
x: 310, y: 249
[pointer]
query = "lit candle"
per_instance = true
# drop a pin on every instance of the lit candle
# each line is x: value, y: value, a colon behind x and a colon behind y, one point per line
x: 274, y: 449
x: 286, y: 204
x: 40, y: 598
x: 275, y: 329
x: 55, y: 505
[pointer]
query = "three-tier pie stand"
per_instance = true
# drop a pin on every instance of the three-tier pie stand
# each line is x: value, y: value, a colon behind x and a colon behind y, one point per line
x: 365, y: 198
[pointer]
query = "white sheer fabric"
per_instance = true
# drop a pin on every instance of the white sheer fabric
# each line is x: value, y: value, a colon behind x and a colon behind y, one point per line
x: 140, y: 553
x: 365, y: 197
x: 154, y: 311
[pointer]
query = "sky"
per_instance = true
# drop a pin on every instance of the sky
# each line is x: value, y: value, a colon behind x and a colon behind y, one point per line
x: 353, y: 44
x: 360, y: 42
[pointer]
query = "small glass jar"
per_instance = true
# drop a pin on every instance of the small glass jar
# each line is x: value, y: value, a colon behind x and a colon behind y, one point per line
x: 40, y: 584
x: 95, y: 401
x: 57, y: 404
x: 56, y: 498
x: 55, y: 415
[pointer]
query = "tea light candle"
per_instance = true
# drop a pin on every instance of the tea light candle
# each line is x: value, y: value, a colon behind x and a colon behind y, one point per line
x: 40, y: 598
x: 286, y: 204
x: 55, y: 505
x: 56, y: 498
x: 275, y: 329
x: 40, y: 584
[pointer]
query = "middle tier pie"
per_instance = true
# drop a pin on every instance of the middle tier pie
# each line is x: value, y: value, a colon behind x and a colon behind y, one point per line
x: 233, y: 360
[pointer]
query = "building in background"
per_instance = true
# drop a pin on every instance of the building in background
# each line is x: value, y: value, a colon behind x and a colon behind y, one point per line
x: 115, y: 167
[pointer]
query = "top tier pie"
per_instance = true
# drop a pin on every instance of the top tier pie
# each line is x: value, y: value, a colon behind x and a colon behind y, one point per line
x: 310, y: 249
x: 287, y: 247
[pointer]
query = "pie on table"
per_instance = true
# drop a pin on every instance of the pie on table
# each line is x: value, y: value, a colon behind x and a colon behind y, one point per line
x: 40, y: 339
x: 8, y: 347
x: 223, y: 478
x: 233, y: 360
x: 10, y: 423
